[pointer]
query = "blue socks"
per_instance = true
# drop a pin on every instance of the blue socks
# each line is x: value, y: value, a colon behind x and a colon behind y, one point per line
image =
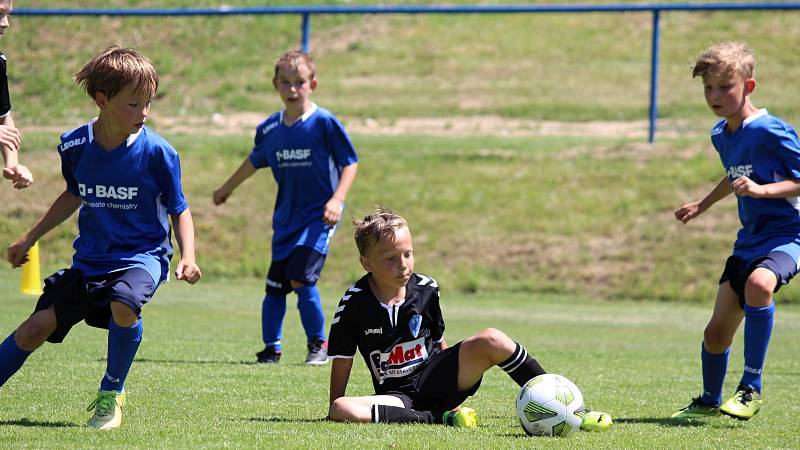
x: 273, y: 309
x: 309, y: 304
x: 11, y: 358
x: 714, y: 367
x: 122, y: 346
x: 757, y: 331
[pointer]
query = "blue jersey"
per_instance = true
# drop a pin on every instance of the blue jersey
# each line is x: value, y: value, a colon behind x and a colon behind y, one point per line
x: 127, y: 194
x: 306, y: 159
x: 766, y: 150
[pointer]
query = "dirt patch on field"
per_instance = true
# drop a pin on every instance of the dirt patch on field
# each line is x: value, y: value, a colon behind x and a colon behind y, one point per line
x: 244, y: 123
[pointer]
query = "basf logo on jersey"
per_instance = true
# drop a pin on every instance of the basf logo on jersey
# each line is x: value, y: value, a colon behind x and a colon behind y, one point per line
x: 400, y: 361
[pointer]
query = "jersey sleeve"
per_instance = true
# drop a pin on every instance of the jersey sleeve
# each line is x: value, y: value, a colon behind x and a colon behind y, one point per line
x: 169, y: 181
x: 67, y: 165
x: 437, y: 319
x: 258, y: 156
x: 786, y: 147
x: 340, y: 144
x: 341, y: 340
x: 5, y: 95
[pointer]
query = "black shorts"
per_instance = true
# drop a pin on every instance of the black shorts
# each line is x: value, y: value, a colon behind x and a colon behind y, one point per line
x: 304, y: 264
x: 737, y: 270
x: 76, y: 297
x: 437, y: 388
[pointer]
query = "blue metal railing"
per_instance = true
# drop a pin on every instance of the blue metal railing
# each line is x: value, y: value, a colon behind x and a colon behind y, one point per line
x: 306, y: 11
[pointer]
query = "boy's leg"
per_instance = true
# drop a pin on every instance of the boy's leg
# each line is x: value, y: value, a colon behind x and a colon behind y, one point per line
x: 273, y: 310
x: 124, y: 336
x: 28, y: 337
x: 759, y: 312
x: 303, y: 269
x: 492, y: 347
x: 360, y: 409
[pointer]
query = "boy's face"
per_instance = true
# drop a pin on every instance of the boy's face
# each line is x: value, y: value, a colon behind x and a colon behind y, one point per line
x: 126, y: 111
x: 294, y: 85
x: 391, y: 262
x: 726, y: 93
x: 5, y: 10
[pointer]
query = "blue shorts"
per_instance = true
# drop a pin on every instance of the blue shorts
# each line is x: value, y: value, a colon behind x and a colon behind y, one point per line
x: 76, y: 297
x: 737, y: 270
x: 437, y: 388
x: 304, y: 264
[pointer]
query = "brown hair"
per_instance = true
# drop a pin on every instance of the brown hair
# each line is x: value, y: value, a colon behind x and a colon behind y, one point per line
x: 114, y: 68
x: 297, y: 58
x: 380, y: 224
x: 726, y: 58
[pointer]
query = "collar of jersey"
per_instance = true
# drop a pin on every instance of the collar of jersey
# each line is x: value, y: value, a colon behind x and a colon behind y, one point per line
x: 128, y: 142
x: 302, y: 118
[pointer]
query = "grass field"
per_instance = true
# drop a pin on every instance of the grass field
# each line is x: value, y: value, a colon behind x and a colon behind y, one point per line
x: 194, y: 384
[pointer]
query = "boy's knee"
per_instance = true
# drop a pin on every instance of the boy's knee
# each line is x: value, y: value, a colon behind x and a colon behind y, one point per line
x: 759, y: 287
x: 123, y: 315
x: 34, y: 331
x: 715, y: 340
x: 339, y: 410
x: 296, y: 284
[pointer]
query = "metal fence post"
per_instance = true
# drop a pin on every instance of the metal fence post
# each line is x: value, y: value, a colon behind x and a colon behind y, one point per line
x: 306, y: 32
x: 654, y: 77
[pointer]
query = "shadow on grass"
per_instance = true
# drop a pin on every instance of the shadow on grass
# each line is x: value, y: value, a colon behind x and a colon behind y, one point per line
x: 283, y: 420
x: 711, y: 422
x: 36, y: 423
x: 187, y: 361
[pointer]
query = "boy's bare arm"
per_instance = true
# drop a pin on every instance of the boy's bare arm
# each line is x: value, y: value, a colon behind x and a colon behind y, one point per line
x: 745, y: 187
x: 691, y: 210
x: 340, y: 375
x: 63, y: 207
x: 242, y: 173
x: 184, y: 233
x: 333, y: 209
x: 10, y: 140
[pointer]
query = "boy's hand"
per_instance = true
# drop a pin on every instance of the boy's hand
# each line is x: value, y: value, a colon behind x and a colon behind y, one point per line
x: 688, y: 211
x: 19, y: 175
x: 333, y: 211
x: 10, y: 137
x: 17, y: 253
x: 220, y: 196
x: 188, y: 271
x: 745, y: 187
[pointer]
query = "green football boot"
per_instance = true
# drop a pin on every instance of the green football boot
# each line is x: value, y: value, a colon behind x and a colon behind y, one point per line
x: 696, y: 410
x: 594, y: 420
x: 744, y: 404
x: 107, y: 410
x: 464, y: 417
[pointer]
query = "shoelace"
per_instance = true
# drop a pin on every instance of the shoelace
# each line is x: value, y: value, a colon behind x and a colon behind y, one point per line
x: 746, y: 396
x: 103, y: 404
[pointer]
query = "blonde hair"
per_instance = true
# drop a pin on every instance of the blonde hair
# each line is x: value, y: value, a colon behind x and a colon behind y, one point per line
x: 380, y: 224
x: 726, y: 58
x: 294, y: 59
x: 114, y: 68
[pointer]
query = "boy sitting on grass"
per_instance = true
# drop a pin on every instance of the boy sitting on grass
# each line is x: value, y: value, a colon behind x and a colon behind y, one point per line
x: 392, y: 316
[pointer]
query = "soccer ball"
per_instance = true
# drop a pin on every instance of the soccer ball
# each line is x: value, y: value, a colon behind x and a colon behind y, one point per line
x: 547, y: 404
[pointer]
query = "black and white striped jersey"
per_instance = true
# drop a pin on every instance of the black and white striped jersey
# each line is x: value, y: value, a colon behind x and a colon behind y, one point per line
x: 394, y: 340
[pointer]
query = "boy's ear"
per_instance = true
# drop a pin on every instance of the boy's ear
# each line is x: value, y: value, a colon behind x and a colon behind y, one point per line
x: 749, y: 86
x: 365, y: 263
x: 313, y: 83
x: 275, y: 83
x: 101, y: 100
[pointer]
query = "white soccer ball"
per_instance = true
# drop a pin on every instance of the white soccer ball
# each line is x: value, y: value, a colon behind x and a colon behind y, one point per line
x: 547, y: 404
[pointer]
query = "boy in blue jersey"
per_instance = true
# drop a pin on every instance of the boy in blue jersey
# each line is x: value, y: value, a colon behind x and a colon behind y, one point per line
x: 10, y: 138
x: 761, y: 157
x: 314, y: 164
x: 126, y: 181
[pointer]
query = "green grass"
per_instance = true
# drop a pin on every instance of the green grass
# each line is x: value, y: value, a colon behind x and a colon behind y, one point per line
x: 194, y: 385
x: 538, y: 66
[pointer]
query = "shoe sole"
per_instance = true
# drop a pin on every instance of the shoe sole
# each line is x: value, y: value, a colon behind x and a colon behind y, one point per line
x: 316, y: 363
x: 742, y: 418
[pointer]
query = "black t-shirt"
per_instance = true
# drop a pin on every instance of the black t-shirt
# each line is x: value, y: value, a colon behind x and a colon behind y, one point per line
x: 395, y: 341
x: 5, y: 97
